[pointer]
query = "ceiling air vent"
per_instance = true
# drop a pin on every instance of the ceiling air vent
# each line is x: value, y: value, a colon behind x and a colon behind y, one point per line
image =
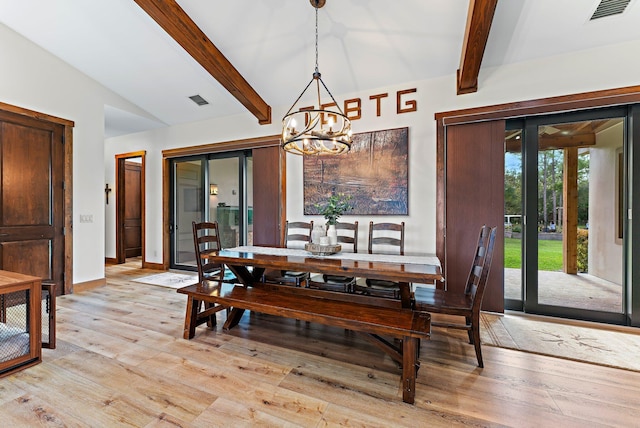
x: 610, y: 7
x: 199, y: 100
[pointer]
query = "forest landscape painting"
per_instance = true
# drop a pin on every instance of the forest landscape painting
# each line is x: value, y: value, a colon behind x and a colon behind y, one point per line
x: 374, y: 173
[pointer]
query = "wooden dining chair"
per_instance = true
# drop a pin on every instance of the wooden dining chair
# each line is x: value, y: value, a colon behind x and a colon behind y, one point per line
x: 348, y: 240
x: 206, y: 240
x: 468, y: 303
x: 384, y: 238
x: 297, y: 233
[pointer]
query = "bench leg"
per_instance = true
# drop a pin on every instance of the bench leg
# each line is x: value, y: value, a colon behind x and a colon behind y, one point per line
x: 211, y: 320
x: 409, y: 368
x: 191, y: 318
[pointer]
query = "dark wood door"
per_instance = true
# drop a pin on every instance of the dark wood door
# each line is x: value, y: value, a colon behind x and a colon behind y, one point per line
x: 474, y: 197
x: 132, y: 209
x: 32, y: 198
x: 268, y: 195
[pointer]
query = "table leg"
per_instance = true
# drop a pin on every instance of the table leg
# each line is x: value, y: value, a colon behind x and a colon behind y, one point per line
x: 409, y: 368
x: 233, y: 318
x: 242, y: 273
x: 405, y: 294
x: 191, y: 317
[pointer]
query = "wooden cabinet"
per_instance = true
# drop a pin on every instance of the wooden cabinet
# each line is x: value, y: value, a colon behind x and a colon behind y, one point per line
x: 20, y: 322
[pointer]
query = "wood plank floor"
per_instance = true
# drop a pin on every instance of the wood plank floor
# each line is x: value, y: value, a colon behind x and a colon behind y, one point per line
x: 121, y: 361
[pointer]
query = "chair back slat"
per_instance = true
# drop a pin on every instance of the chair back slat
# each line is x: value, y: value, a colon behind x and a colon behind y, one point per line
x: 212, y: 241
x: 297, y: 233
x: 388, y: 236
x: 481, y: 251
x: 477, y: 271
x: 348, y: 234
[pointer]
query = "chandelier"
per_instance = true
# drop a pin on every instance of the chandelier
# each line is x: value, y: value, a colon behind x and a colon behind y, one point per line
x: 316, y: 131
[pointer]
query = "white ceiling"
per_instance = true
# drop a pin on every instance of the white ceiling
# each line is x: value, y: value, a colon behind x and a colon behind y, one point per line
x: 364, y: 44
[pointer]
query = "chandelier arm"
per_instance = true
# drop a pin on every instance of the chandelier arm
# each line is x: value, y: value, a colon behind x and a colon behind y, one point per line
x: 310, y: 122
x: 301, y: 94
x: 331, y: 95
x: 318, y: 91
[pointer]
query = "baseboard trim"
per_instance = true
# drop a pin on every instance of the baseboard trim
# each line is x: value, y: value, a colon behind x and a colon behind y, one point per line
x: 154, y: 266
x: 110, y: 261
x: 89, y: 285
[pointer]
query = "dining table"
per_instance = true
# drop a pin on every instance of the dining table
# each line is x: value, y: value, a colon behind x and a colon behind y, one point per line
x: 249, y: 262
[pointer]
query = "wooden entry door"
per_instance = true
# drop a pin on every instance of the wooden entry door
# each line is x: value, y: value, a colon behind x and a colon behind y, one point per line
x: 132, y: 209
x: 32, y: 198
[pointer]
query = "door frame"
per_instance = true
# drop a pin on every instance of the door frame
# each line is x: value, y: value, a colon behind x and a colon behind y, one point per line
x: 120, y: 194
x: 68, y: 184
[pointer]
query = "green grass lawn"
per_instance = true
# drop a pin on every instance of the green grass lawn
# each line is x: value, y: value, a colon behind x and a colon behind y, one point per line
x: 549, y: 254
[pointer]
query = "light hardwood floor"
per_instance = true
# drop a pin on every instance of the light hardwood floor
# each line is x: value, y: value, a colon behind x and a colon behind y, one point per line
x: 121, y: 361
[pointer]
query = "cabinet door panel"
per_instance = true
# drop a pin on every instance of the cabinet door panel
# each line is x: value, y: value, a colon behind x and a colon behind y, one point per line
x: 31, y: 198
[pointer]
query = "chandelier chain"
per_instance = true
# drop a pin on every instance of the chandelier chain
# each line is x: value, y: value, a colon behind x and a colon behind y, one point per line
x: 316, y: 38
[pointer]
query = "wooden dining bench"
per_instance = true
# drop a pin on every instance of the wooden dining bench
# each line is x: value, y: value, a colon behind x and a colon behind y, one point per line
x: 375, y: 321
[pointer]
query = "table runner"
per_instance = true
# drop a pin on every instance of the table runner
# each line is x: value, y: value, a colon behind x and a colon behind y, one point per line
x: 427, y: 259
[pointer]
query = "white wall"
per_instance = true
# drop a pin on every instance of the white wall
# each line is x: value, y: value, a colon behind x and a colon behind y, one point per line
x: 33, y: 79
x: 605, y: 249
x: 580, y: 72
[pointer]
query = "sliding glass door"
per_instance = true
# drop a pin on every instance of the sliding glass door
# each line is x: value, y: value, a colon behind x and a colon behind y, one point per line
x: 216, y: 187
x: 188, y: 196
x: 231, y: 199
x: 513, y: 216
x: 564, y: 215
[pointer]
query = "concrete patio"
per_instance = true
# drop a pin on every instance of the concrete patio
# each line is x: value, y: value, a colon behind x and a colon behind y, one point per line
x: 576, y: 291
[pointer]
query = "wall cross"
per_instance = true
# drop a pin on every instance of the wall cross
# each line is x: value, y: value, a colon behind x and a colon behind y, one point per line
x: 107, y: 190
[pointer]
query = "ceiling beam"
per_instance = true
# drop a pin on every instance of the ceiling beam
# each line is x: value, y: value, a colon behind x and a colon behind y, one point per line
x: 175, y: 21
x: 476, y: 34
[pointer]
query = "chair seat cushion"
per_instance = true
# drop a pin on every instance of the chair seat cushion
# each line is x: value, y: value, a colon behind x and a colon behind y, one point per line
x: 379, y: 283
x: 440, y: 301
x: 338, y: 278
x: 285, y: 277
x: 294, y: 273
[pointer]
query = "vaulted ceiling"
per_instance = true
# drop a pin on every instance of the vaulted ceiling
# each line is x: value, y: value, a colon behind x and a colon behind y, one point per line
x: 130, y: 46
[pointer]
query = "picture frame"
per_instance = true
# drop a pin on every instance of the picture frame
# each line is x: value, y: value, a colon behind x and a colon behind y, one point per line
x: 375, y: 173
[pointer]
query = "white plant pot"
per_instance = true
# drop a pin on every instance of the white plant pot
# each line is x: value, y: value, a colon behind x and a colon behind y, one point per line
x: 332, y: 233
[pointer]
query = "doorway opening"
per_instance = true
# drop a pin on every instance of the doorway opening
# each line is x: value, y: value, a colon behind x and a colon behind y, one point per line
x: 130, y: 208
x: 564, y: 223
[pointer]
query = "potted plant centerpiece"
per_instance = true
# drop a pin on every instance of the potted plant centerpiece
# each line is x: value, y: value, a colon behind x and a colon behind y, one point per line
x: 332, y: 209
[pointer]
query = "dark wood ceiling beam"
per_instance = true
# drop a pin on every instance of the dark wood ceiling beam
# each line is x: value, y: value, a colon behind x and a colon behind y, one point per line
x: 479, y: 19
x: 175, y: 21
